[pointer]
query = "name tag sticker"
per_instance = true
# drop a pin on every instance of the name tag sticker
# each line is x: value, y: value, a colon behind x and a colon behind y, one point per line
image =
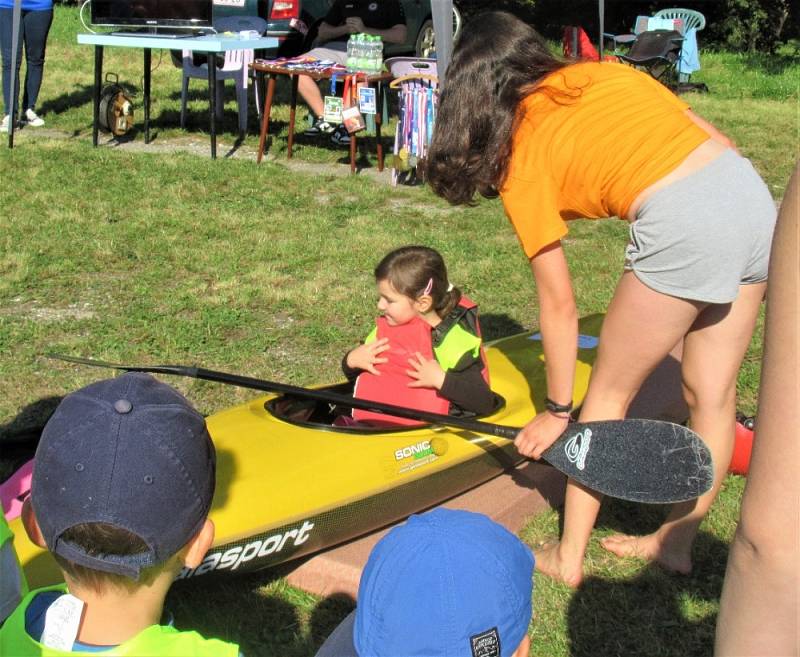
x: 61, y: 623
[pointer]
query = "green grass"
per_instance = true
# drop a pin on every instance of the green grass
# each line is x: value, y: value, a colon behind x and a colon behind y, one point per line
x: 155, y: 255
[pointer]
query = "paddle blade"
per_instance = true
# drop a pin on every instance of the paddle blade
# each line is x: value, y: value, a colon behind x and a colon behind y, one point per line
x: 637, y: 460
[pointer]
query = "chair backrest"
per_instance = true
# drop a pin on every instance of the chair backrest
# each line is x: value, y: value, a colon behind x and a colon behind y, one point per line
x: 690, y: 17
x: 241, y: 24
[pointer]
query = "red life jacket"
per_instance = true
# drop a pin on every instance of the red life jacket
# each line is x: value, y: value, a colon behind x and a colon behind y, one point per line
x: 391, y: 387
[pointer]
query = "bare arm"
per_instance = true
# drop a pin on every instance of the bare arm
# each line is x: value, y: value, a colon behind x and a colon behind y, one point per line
x: 328, y: 32
x: 395, y: 34
x: 558, y: 323
x: 715, y: 134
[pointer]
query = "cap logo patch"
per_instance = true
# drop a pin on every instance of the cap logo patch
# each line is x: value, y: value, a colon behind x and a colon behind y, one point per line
x: 486, y: 644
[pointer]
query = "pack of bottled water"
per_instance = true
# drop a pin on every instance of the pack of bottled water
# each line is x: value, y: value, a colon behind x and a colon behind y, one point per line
x: 364, y: 53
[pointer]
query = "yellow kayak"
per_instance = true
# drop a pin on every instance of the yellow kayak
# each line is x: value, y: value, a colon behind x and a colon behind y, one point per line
x: 290, y: 484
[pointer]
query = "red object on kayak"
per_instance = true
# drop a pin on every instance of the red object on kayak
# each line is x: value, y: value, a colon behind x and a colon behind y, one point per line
x: 742, y: 448
x: 392, y: 385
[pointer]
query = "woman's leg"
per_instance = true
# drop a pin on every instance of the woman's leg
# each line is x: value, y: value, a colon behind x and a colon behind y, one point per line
x: 37, y: 27
x: 6, y: 23
x: 640, y: 328
x: 713, y: 352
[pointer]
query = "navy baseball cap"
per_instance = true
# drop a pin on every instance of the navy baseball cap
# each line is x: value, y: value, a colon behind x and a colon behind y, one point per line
x: 131, y: 452
x: 446, y: 583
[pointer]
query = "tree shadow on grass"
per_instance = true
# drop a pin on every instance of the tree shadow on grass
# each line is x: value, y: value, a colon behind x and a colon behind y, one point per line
x: 261, y: 613
x: 20, y: 435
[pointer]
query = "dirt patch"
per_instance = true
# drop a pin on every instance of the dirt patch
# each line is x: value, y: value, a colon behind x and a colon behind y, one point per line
x: 35, y: 311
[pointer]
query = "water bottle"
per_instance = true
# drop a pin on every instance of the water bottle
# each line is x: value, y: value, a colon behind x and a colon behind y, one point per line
x: 378, y: 54
x: 352, y: 58
x: 363, y: 53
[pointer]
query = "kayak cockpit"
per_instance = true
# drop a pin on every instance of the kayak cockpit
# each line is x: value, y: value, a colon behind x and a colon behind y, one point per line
x: 327, y: 416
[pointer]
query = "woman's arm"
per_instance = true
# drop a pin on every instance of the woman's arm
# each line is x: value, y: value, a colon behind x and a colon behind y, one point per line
x: 558, y: 323
x: 715, y: 134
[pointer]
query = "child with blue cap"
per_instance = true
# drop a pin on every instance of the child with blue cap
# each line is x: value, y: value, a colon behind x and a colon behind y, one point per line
x: 446, y: 583
x: 122, y: 486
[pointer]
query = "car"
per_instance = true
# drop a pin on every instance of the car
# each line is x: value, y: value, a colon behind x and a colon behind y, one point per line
x: 294, y: 23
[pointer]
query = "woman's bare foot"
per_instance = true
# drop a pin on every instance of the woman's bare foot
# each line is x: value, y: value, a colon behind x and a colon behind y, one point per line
x: 652, y: 548
x: 551, y: 562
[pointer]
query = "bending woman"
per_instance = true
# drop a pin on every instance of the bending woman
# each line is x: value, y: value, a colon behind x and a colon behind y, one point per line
x: 558, y: 141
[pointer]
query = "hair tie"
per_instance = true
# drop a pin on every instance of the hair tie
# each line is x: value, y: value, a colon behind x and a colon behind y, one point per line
x: 450, y: 287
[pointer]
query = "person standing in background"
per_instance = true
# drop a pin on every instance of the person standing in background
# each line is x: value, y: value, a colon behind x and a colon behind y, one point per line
x: 35, y: 21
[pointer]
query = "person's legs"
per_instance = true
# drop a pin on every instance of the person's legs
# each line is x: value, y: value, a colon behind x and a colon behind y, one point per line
x: 6, y: 25
x: 713, y: 351
x: 640, y: 328
x: 309, y: 92
x: 37, y: 27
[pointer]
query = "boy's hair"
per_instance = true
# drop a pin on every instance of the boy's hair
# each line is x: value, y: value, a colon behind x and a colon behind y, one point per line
x: 123, y: 479
x: 416, y: 270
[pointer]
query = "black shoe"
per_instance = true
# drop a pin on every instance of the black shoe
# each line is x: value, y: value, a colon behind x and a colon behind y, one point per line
x: 340, y: 136
x: 320, y: 127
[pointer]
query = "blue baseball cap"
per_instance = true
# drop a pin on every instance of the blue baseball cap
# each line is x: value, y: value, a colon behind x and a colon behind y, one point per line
x: 130, y: 452
x: 446, y: 583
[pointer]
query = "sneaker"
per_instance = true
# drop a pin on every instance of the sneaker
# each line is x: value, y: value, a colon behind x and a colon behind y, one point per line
x: 33, y: 119
x: 319, y: 127
x: 340, y: 136
x: 4, y: 124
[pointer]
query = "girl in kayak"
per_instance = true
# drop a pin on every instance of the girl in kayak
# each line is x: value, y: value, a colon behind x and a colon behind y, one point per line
x: 559, y: 141
x: 425, y: 351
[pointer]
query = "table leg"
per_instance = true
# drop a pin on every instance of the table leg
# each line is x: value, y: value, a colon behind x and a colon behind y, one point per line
x: 378, y: 118
x: 262, y: 139
x: 147, y: 60
x: 353, y: 150
x: 292, y: 114
x: 98, y: 80
x: 212, y: 102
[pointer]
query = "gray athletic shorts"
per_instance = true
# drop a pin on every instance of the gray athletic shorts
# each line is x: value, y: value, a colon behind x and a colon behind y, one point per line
x: 704, y: 235
x: 333, y: 50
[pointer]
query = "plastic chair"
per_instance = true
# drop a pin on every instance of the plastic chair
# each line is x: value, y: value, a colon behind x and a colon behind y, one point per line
x: 690, y: 17
x: 692, y: 22
x: 627, y: 39
x: 236, y: 66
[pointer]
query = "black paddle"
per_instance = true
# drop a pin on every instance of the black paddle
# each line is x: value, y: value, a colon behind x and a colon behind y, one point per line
x: 637, y: 460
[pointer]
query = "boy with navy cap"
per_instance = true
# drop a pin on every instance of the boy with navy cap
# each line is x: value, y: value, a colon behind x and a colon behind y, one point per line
x: 445, y: 584
x: 122, y: 486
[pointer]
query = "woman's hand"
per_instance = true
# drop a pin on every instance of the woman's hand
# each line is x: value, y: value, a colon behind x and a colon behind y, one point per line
x: 367, y: 356
x: 427, y: 373
x: 541, y: 432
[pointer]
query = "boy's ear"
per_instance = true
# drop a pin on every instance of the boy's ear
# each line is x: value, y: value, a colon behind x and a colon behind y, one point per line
x: 199, y: 545
x: 31, y: 525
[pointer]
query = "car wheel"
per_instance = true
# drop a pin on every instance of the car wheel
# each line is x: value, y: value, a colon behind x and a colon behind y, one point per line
x: 426, y: 39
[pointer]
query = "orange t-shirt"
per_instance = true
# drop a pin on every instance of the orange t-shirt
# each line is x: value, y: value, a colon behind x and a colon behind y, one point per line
x: 591, y: 153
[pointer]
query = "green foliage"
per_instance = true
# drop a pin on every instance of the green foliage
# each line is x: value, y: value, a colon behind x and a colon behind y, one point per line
x: 740, y: 25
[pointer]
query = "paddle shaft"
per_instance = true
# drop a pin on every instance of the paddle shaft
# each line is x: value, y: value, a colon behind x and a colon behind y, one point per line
x: 477, y: 426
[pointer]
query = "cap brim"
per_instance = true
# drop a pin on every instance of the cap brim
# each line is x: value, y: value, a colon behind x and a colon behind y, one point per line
x: 340, y: 642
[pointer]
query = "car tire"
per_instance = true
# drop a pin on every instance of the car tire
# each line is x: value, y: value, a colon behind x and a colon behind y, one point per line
x: 426, y: 39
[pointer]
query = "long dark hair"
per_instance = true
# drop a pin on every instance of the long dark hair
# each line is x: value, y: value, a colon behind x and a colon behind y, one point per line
x: 497, y: 62
x: 413, y: 269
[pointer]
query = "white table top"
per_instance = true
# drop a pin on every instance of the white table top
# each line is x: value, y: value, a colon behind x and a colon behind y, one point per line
x: 204, y: 43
